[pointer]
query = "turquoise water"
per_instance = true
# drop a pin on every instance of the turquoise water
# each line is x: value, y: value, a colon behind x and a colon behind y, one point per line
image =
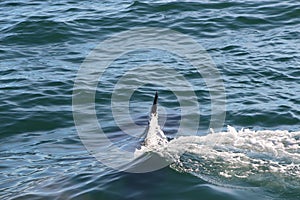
x: 255, y: 46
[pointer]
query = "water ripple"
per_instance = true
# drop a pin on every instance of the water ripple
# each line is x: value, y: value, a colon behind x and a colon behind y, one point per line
x: 255, y: 45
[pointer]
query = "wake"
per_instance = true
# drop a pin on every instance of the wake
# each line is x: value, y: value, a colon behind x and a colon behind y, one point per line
x: 243, y: 158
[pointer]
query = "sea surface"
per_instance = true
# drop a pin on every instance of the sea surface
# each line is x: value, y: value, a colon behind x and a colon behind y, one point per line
x: 255, y: 45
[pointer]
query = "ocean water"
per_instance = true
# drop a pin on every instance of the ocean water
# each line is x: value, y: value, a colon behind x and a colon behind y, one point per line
x: 253, y: 44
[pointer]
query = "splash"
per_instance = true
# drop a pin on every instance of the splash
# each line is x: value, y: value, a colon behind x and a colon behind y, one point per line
x: 155, y: 140
x: 246, y: 158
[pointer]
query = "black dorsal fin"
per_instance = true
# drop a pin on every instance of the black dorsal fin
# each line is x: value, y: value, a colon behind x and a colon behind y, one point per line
x: 154, y: 105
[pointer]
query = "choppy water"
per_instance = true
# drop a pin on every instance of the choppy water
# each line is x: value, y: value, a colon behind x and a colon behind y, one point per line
x: 254, y: 44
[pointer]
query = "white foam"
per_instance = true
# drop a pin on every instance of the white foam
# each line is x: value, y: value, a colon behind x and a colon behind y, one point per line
x: 155, y: 139
x: 253, y: 157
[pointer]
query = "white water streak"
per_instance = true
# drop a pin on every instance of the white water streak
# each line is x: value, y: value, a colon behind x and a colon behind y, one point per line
x: 259, y: 158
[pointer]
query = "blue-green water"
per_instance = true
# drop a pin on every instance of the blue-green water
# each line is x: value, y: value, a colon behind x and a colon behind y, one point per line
x: 255, y: 46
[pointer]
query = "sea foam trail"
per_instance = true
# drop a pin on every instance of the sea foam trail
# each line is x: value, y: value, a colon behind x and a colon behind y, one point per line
x: 265, y: 158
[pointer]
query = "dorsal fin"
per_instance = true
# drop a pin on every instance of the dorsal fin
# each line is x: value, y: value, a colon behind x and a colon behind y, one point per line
x: 154, y: 105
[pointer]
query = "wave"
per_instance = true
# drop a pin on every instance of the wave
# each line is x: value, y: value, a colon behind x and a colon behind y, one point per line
x: 239, y: 159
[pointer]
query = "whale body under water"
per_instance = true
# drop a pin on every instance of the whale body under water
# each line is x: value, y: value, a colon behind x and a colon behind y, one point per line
x: 264, y: 160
